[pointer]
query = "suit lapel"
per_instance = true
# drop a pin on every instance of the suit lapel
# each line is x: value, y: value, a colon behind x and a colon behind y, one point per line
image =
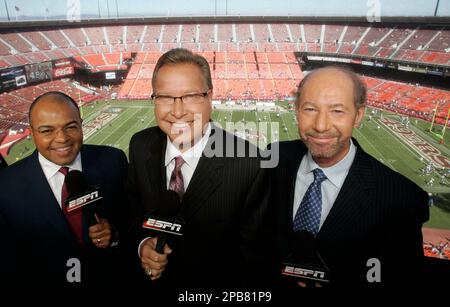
x: 205, y: 181
x: 156, y: 169
x: 46, y: 206
x: 291, y: 155
x: 292, y: 170
x: 206, y: 178
x: 353, y: 198
x: 90, y: 168
x: 93, y: 174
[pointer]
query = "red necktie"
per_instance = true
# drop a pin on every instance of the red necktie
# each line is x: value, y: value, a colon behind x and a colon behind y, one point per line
x: 74, y: 218
x: 176, y: 182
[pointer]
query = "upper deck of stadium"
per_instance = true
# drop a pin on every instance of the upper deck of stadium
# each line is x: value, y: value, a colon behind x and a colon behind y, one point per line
x: 414, y: 40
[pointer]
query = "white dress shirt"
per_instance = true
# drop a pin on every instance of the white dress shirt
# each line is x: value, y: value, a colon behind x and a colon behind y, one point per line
x: 54, y: 177
x: 190, y: 157
x: 336, y: 175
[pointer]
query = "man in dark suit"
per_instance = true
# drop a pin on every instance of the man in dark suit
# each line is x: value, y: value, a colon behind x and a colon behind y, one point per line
x: 216, y: 175
x: 356, y: 208
x: 42, y: 244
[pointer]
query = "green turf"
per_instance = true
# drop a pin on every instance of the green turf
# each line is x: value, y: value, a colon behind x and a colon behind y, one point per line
x: 380, y: 142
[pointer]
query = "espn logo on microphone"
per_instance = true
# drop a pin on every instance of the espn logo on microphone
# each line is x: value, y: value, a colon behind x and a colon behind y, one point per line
x: 83, y: 200
x: 164, y: 226
x: 306, y: 273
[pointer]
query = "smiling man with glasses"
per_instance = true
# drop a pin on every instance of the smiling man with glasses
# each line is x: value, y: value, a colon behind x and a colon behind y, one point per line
x: 182, y: 94
x: 222, y: 196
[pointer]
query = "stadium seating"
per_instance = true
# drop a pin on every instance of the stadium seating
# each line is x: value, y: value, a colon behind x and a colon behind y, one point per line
x: 415, y: 44
x: 246, y: 59
x: 408, y: 99
x: 15, y: 104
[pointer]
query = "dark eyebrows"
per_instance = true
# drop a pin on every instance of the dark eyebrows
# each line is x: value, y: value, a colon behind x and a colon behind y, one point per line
x: 52, y: 127
x: 72, y: 122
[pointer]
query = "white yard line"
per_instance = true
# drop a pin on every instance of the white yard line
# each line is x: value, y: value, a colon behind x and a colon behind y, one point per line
x: 147, y: 126
x: 412, y: 150
x: 381, y: 155
x: 116, y: 128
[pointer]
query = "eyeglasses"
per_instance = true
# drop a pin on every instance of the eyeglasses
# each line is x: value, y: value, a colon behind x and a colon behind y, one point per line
x: 195, y: 98
x: 51, y: 132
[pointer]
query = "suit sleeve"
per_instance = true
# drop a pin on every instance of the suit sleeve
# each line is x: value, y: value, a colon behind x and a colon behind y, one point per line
x: 10, y: 269
x: 121, y: 211
x: 132, y: 192
x: 136, y: 211
x: 252, y: 236
x: 403, y: 252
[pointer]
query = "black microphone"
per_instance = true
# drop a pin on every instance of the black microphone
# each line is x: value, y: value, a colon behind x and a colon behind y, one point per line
x: 304, y: 262
x: 80, y: 195
x: 166, y: 220
x: 3, y: 163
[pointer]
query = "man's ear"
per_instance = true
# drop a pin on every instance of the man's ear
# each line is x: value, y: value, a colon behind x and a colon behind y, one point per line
x: 359, y: 116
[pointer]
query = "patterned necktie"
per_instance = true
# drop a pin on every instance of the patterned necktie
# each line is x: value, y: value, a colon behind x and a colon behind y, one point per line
x: 176, y: 182
x: 74, y: 218
x: 308, y: 214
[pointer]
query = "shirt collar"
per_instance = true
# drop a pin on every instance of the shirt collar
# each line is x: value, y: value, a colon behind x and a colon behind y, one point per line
x: 50, y: 168
x: 335, y: 174
x: 190, y: 156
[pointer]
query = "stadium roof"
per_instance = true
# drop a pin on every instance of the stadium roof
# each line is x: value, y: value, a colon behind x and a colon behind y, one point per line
x: 26, y: 10
x: 407, y: 21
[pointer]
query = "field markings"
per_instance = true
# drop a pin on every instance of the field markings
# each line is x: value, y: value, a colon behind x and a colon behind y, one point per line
x: 371, y: 145
x: 404, y: 144
x: 118, y: 127
x: 147, y: 126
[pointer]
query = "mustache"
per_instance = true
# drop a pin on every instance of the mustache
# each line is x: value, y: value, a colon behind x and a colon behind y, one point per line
x: 321, y: 135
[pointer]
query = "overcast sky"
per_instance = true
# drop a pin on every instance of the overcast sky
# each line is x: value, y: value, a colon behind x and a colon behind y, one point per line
x: 29, y: 9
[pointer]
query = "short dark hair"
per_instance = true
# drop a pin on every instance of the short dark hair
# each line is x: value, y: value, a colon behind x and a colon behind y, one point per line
x: 62, y: 97
x: 183, y: 56
x: 359, y: 88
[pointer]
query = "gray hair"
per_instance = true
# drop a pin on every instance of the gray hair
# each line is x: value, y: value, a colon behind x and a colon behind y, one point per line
x: 183, y: 56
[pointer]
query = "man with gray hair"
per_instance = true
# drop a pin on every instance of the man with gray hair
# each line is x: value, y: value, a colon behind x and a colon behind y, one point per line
x: 365, y: 219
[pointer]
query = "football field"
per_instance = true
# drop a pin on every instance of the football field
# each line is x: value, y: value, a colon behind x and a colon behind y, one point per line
x: 406, y: 148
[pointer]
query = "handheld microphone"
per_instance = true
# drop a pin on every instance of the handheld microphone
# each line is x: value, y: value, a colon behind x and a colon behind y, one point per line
x: 305, y: 263
x: 3, y: 163
x: 166, y: 220
x: 81, y: 195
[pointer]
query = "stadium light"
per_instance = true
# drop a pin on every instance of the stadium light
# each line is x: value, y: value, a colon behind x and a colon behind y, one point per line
x: 437, y: 6
x: 6, y: 7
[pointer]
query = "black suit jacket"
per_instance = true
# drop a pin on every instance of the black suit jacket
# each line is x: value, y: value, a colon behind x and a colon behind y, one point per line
x: 36, y: 238
x: 3, y: 163
x: 378, y: 213
x: 222, y: 209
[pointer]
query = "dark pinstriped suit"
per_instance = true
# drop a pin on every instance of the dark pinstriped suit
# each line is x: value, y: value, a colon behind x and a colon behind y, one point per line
x: 378, y: 213
x: 222, y: 208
